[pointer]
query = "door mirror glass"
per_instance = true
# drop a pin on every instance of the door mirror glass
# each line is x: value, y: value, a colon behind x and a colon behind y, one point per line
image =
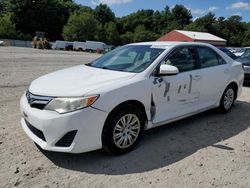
x: 168, y: 70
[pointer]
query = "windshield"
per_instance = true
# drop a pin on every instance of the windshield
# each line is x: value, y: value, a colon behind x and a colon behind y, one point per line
x: 130, y: 58
x: 246, y: 54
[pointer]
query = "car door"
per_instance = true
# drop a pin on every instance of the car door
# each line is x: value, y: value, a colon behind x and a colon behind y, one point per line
x: 177, y: 95
x: 215, y: 75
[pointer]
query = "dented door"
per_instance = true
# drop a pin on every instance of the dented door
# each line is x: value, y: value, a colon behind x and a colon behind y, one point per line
x: 174, y: 96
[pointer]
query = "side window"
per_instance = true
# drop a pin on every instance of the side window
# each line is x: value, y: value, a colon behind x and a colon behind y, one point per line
x: 208, y: 58
x: 183, y: 58
x: 221, y: 60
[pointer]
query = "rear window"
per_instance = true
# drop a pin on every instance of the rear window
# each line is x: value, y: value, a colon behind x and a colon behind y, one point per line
x: 208, y: 58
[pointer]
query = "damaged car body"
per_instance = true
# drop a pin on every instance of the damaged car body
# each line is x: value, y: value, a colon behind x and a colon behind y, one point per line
x: 109, y: 102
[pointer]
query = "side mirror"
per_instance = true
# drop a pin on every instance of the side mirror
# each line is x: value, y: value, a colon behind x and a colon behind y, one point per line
x: 168, y: 70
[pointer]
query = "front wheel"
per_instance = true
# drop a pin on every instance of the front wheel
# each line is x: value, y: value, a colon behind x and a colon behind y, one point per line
x: 122, y: 130
x: 227, y: 99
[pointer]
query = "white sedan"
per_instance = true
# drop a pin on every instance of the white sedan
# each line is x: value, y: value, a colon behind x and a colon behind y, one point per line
x: 109, y: 102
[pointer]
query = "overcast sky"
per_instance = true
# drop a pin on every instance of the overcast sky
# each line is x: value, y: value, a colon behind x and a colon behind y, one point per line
x: 198, y: 8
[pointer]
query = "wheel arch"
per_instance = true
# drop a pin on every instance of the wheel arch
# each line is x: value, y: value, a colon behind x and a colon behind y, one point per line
x: 235, y: 87
x: 135, y: 103
x: 234, y: 84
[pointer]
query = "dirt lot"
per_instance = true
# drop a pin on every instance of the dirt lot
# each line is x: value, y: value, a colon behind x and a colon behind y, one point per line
x: 207, y: 150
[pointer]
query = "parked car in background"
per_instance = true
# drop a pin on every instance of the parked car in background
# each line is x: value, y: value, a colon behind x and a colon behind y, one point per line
x: 228, y: 52
x: 94, y: 46
x: 245, y: 60
x: 239, y: 52
x: 69, y: 46
x: 63, y: 45
x: 79, y: 46
x: 110, y: 101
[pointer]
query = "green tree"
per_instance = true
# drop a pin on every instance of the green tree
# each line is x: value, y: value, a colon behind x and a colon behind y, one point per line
x: 141, y: 17
x: 181, y: 15
x: 205, y: 24
x: 246, y: 39
x: 163, y: 21
x: 235, y: 30
x: 104, y: 14
x: 127, y: 38
x: 112, y: 34
x: 80, y: 27
x: 7, y: 28
x: 49, y: 16
x: 1, y: 7
x: 143, y: 35
x: 100, y: 33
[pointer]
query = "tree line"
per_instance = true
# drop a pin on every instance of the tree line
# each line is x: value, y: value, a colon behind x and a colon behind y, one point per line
x: 64, y: 19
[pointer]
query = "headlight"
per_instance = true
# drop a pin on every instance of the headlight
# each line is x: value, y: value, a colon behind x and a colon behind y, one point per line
x: 65, y: 105
x: 246, y: 69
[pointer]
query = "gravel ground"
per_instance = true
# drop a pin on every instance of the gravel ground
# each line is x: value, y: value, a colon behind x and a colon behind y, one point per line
x: 207, y: 150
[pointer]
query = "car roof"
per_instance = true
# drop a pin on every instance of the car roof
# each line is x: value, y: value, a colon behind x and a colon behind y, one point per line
x: 166, y: 45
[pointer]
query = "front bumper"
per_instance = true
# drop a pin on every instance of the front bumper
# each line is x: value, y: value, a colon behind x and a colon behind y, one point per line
x: 88, y: 124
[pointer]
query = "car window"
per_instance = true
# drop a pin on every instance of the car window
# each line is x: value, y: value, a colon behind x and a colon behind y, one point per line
x: 183, y: 58
x: 221, y: 60
x: 208, y: 58
x: 246, y: 54
x: 228, y: 52
x: 129, y: 58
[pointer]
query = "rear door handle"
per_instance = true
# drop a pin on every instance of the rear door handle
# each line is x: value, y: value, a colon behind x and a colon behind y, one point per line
x: 197, y: 77
x: 226, y: 71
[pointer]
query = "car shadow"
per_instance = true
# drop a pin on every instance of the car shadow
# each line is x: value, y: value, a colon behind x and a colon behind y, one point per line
x: 162, y: 146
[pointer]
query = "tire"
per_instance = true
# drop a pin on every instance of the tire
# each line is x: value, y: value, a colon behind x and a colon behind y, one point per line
x: 119, y: 136
x: 227, y: 99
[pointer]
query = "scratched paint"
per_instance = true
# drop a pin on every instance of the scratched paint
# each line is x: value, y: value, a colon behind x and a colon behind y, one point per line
x: 152, y: 109
x: 155, y: 81
x: 190, y: 84
x: 179, y: 89
x: 167, y: 87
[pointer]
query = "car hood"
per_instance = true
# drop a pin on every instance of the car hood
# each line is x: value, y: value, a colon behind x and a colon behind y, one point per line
x: 244, y: 61
x: 76, y: 81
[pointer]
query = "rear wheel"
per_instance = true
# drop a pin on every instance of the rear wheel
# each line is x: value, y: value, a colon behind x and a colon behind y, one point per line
x: 227, y: 99
x: 123, y: 129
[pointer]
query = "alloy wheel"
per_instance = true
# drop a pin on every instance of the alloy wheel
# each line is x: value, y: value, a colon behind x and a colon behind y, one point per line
x: 228, y: 98
x: 126, y: 131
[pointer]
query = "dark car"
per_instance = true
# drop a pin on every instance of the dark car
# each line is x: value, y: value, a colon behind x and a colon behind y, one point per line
x: 228, y: 52
x: 245, y: 60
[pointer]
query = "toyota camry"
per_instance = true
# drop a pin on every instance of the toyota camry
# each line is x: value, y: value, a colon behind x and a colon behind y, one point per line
x: 109, y: 102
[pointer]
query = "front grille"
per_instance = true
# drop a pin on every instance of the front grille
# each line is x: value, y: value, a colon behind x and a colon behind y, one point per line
x: 36, y: 101
x: 67, y: 139
x: 35, y: 131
